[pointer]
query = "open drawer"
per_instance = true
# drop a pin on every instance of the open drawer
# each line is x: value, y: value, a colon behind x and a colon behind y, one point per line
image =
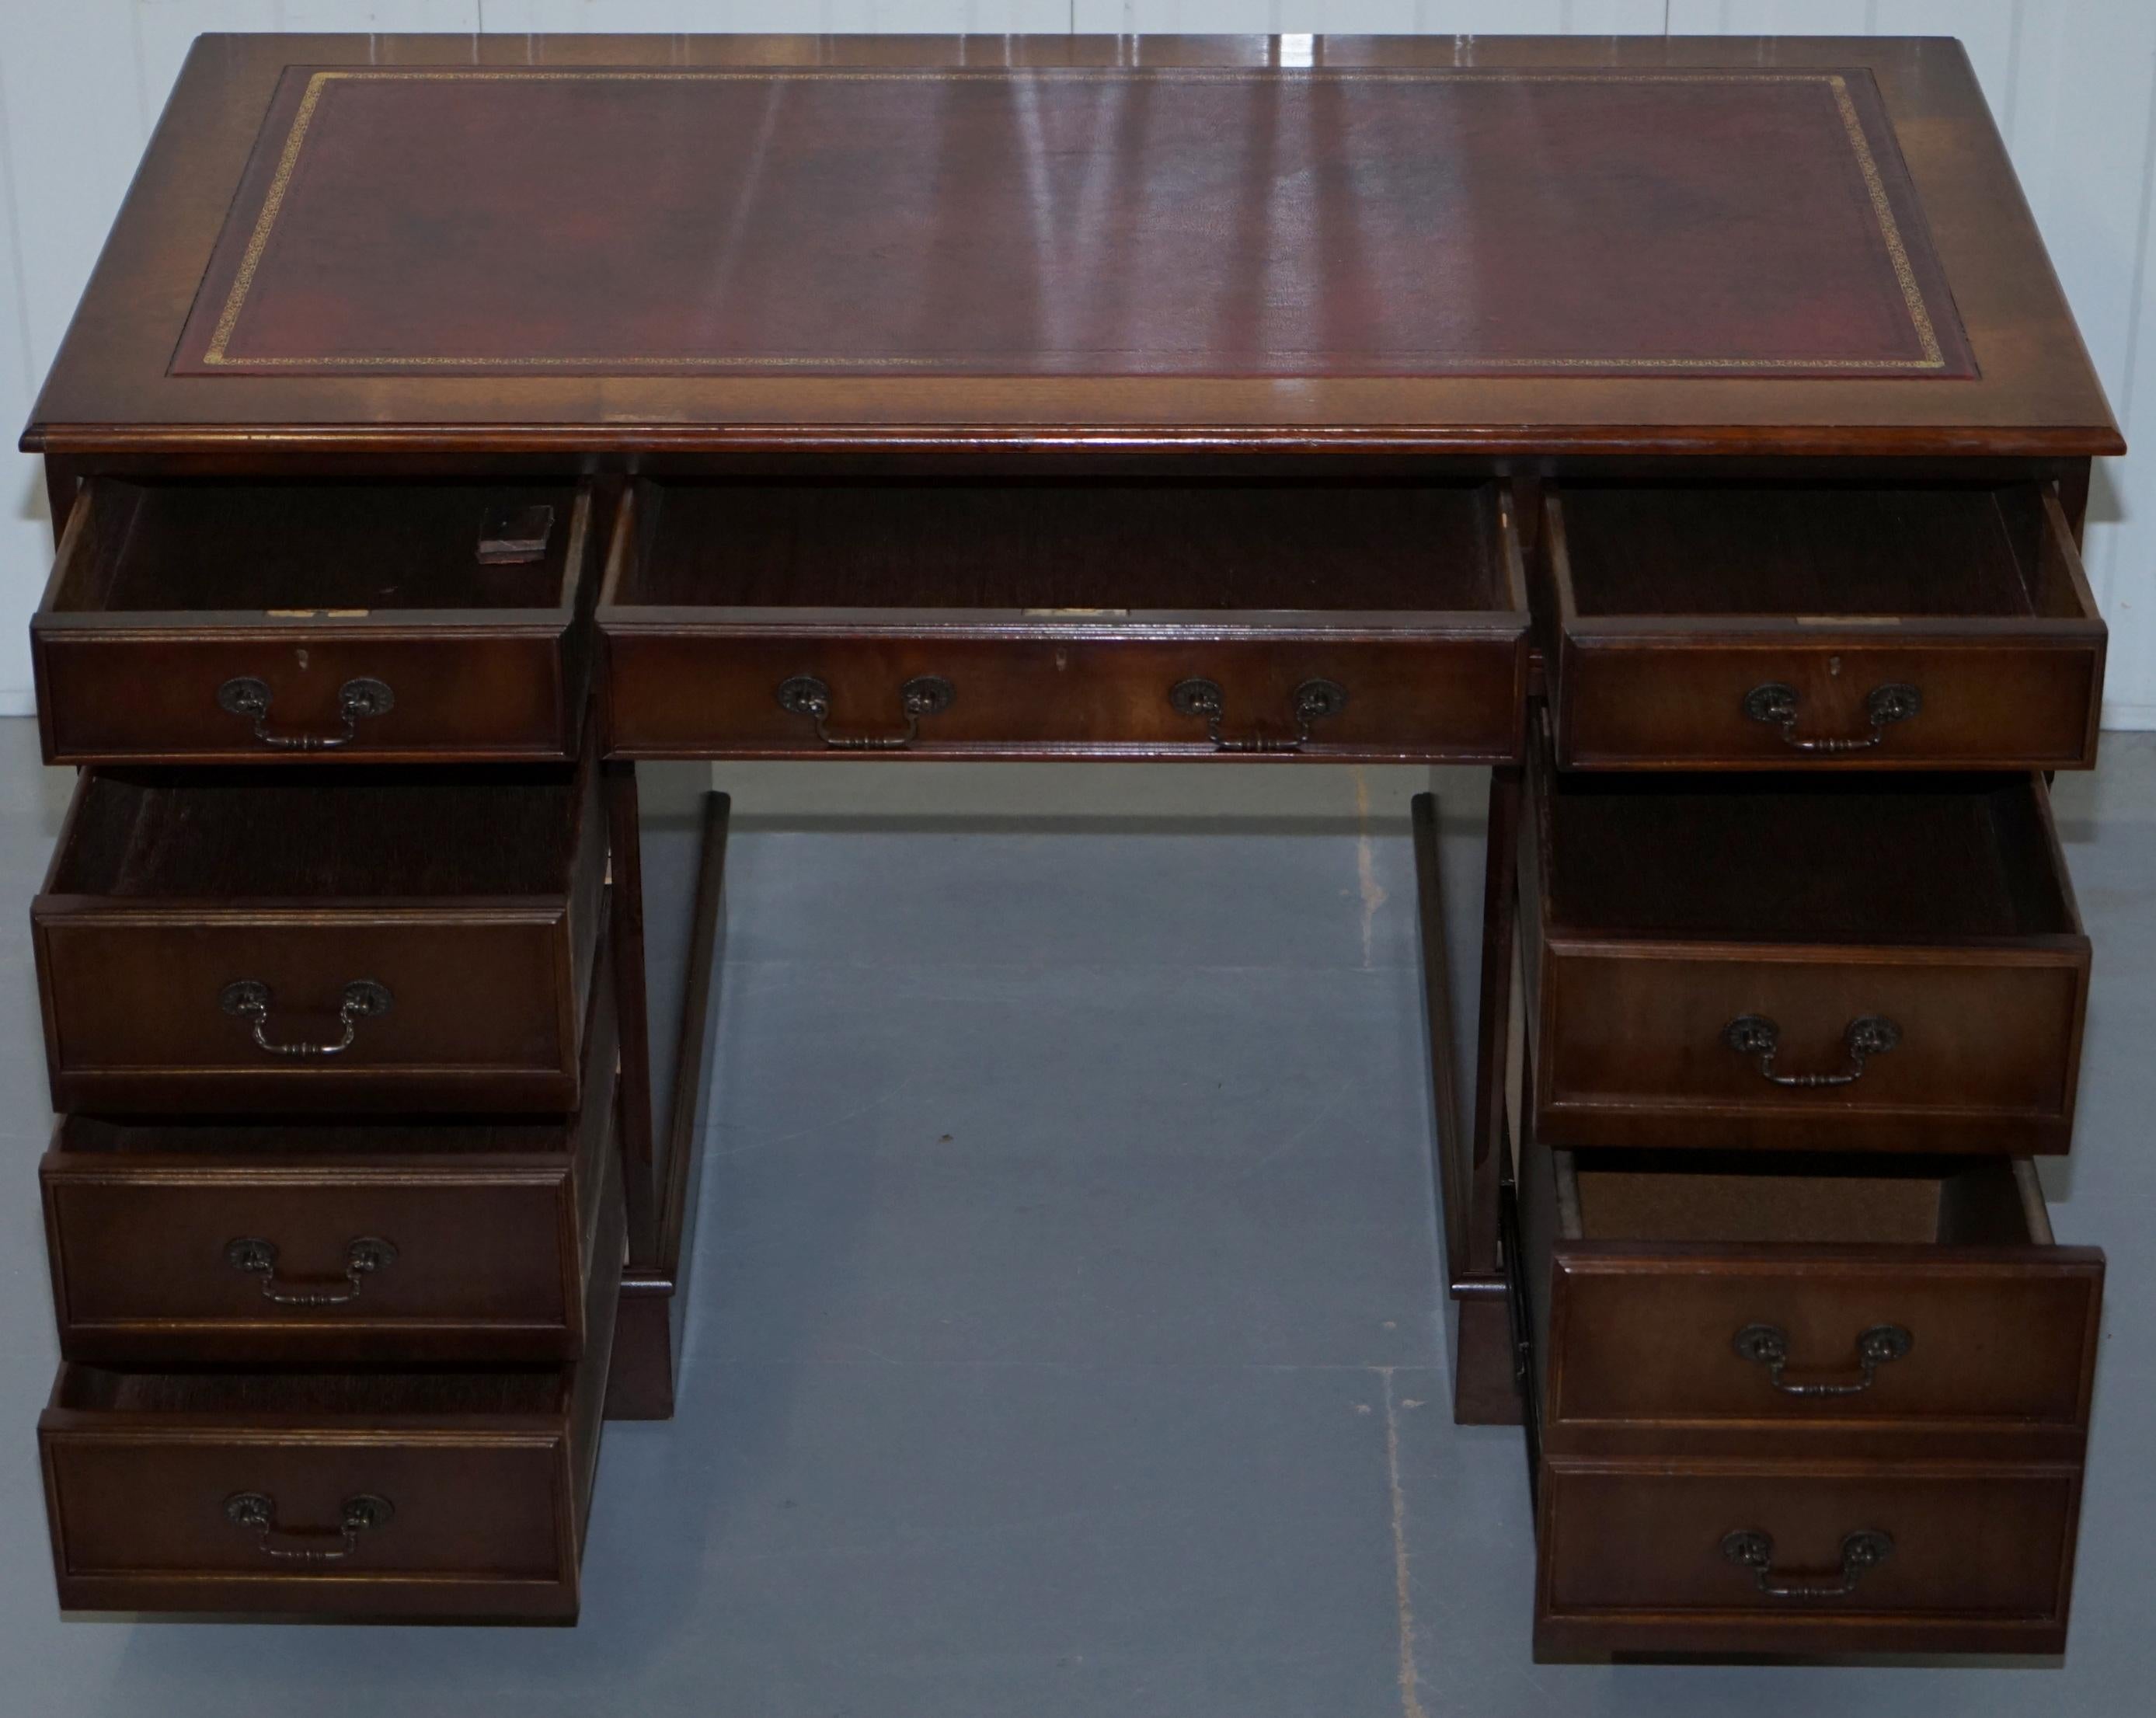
x: 383, y: 939
x: 251, y: 622
x: 1079, y: 619
x: 1833, y: 962
x: 440, y: 1495
x: 332, y: 1242
x: 1788, y: 626
x: 1807, y: 1305
x: 1803, y: 1405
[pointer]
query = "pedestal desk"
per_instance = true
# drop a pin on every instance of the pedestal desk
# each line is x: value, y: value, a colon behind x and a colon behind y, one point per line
x: 1692, y: 432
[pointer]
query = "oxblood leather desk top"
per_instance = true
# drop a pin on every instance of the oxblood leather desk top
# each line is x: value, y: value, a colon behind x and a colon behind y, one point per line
x: 1075, y: 222
x: 648, y: 242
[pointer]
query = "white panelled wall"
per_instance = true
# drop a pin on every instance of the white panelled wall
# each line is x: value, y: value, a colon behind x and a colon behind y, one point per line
x: 2072, y: 82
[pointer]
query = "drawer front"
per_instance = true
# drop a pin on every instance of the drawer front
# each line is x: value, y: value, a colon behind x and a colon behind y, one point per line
x: 1643, y: 1047
x: 165, y: 1260
x: 1770, y: 1559
x: 1992, y: 1338
x: 480, y: 1012
x: 1675, y: 704
x: 698, y: 692
x: 134, y: 696
x: 476, y: 1523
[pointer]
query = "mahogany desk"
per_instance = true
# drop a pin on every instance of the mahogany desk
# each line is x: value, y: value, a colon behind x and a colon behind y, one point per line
x: 1691, y: 432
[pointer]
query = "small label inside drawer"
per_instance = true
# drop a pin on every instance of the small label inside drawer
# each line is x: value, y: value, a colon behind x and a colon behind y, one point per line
x: 317, y: 614
x: 1848, y: 619
x: 514, y: 536
x: 1075, y: 614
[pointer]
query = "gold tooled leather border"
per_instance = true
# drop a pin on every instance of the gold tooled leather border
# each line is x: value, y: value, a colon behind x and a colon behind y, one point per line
x: 218, y: 354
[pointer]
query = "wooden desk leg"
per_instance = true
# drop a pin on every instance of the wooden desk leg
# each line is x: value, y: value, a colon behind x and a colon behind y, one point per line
x: 1470, y: 1164
x: 625, y: 891
x: 647, y: 1343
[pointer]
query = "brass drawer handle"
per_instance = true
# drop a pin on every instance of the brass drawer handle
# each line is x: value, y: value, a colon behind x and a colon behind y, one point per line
x: 924, y: 695
x: 1863, y: 1550
x: 1768, y: 1346
x: 253, y: 1256
x: 256, y: 1512
x: 356, y: 700
x: 1776, y: 705
x: 1314, y: 700
x: 1755, y: 1036
x: 249, y: 999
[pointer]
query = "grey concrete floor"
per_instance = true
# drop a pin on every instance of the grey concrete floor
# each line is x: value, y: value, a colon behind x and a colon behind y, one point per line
x: 1063, y: 1338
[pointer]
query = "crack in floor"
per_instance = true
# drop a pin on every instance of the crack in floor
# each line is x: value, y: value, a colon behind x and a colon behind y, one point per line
x: 1411, y: 1704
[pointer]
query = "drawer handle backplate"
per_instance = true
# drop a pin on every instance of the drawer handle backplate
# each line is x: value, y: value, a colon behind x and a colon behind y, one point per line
x: 256, y: 1512
x: 1768, y: 1346
x: 1314, y: 700
x: 1749, y: 1548
x: 249, y: 999
x: 924, y: 695
x: 356, y: 700
x: 1758, y: 1037
x: 1775, y: 704
x: 364, y: 1256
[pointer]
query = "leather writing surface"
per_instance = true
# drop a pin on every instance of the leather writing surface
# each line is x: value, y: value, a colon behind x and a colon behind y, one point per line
x: 1075, y: 222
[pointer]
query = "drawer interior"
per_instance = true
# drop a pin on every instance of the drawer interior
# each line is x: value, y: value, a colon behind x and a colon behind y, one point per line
x: 1069, y: 547
x: 1732, y: 1197
x: 1829, y: 550
x: 1819, y: 858
x: 349, y: 547
x: 308, y: 833
x: 329, y: 1396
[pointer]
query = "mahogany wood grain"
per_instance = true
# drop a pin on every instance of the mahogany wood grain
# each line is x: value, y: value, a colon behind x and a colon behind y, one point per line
x: 1632, y: 1559
x: 1673, y: 604
x: 654, y: 1300
x: 1061, y: 615
x: 1653, y: 1266
x: 488, y: 1475
x: 1663, y: 909
x: 114, y: 388
x: 475, y: 897
x: 494, y: 1225
x: 164, y: 593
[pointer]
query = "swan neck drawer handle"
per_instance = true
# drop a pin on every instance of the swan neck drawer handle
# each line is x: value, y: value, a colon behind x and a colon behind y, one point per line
x: 249, y: 999
x: 365, y: 1254
x: 1768, y: 1346
x: 1314, y: 700
x: 924, y: 695
x: 1757, y: 1037
x: 256, y: 1512
x: 1865, y: 1549
x: 1776, y: 704
x: 357, y: 701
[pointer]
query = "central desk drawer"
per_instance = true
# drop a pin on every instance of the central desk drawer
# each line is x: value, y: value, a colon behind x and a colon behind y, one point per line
x: 300, y: 940
x: 1838, y: 962
x: 1079, y: 619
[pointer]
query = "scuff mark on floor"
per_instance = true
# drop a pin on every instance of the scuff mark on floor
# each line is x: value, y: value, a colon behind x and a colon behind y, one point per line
x: 1365, y: 866
x: 1411, y: 1704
